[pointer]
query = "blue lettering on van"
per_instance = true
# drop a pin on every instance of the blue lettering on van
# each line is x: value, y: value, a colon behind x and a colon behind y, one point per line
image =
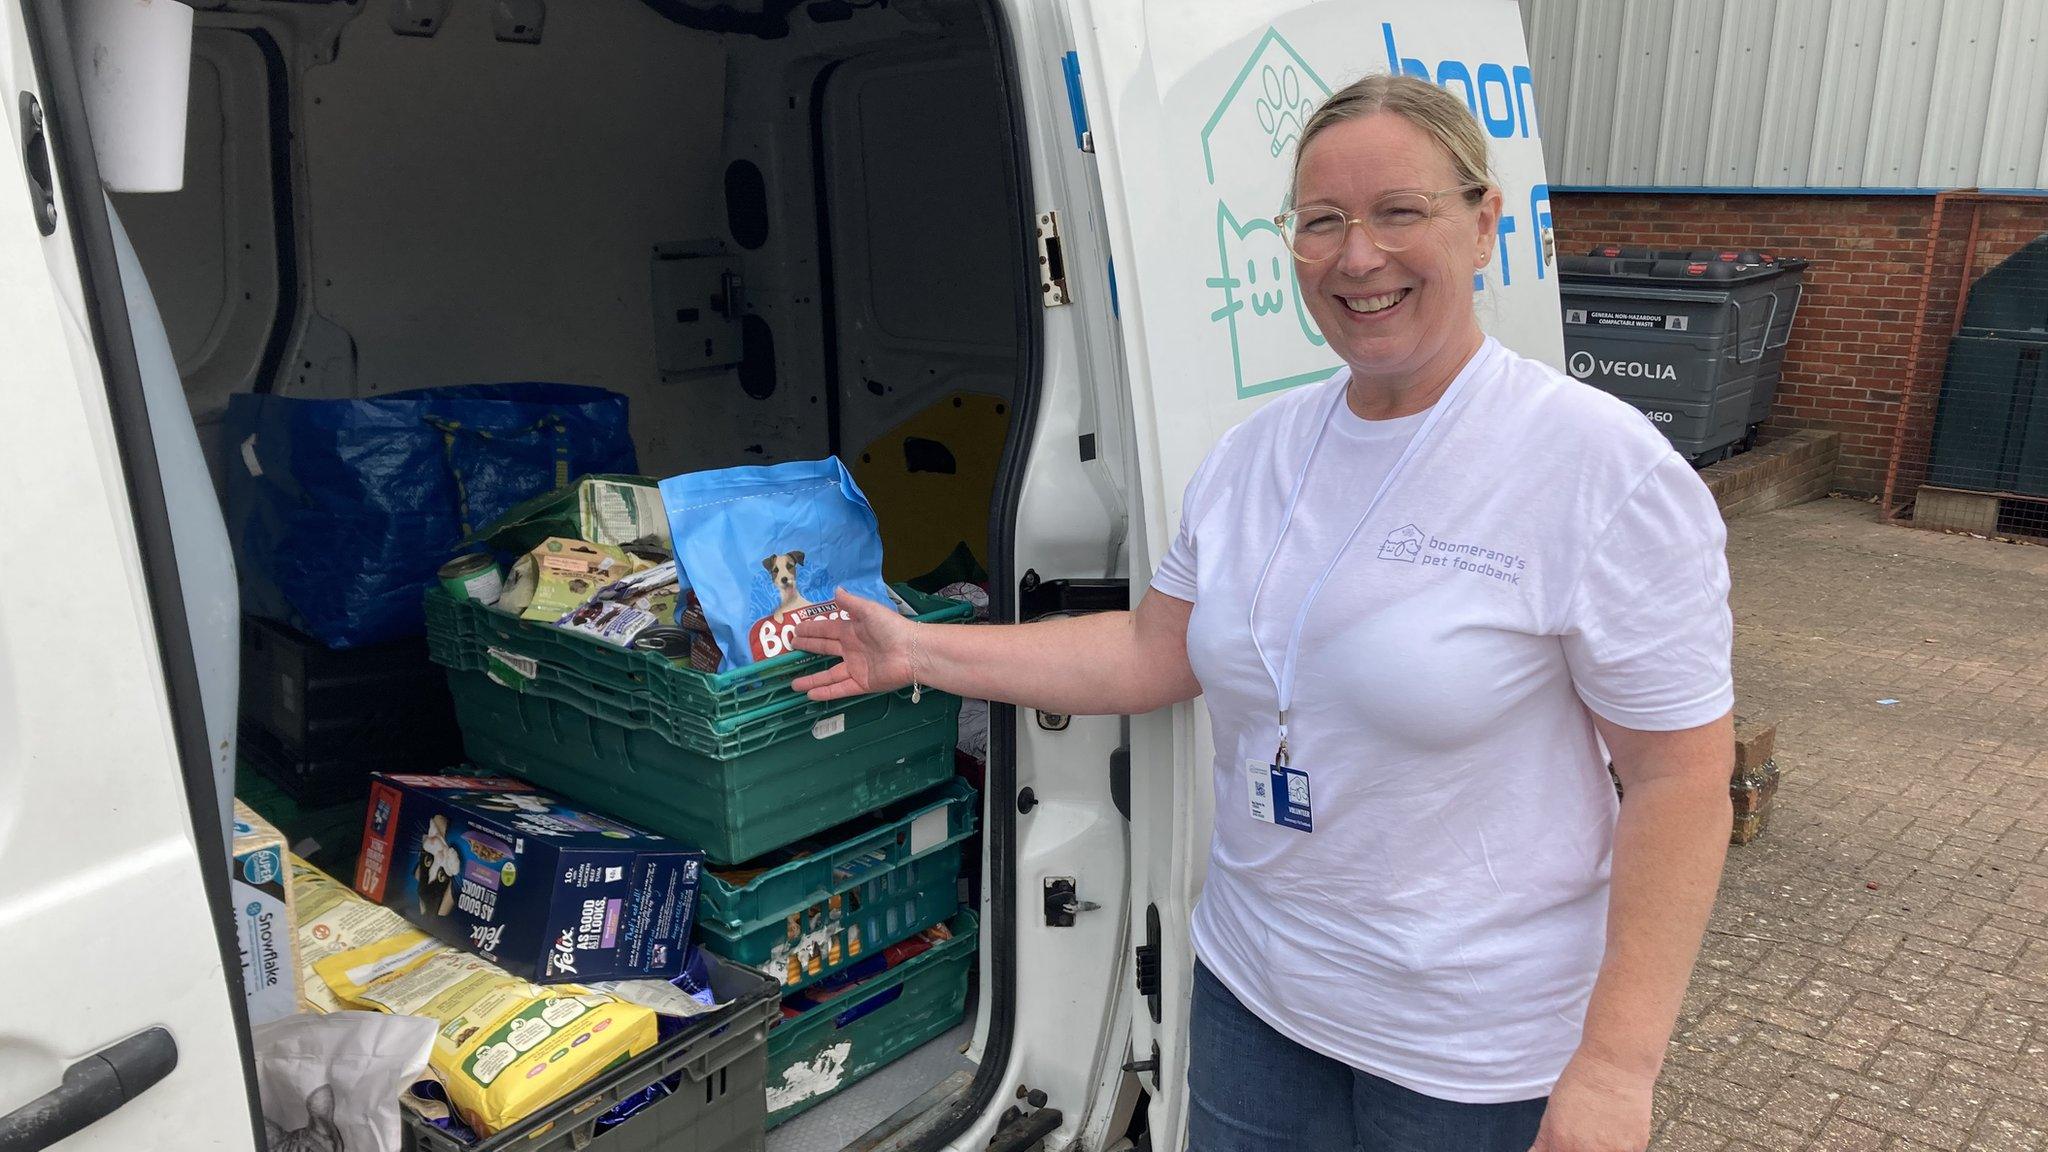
x: 1502, y: 97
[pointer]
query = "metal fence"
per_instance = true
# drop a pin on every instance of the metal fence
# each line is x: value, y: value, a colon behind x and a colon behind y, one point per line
x: 1969, y: 446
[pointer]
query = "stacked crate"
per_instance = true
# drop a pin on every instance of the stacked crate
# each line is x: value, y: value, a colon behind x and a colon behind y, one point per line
x: 834, y: 830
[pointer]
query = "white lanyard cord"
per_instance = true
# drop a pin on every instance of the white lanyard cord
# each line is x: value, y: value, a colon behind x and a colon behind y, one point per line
x: 1283, y: 680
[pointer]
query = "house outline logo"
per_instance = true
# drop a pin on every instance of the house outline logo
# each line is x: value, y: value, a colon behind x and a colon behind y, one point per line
x: 1247, y: 152
x: 1403, y: 544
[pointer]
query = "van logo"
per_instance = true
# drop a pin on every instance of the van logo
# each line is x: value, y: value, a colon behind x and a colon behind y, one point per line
x: 1248, y: 145
x: 1403, y: 544
x: 1581, y: 364
x: 1247, y: 153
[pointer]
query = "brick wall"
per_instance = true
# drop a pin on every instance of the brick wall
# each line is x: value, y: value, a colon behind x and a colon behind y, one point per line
x: 1792, y: 469
x: 1847, y: 362
x: 1847, y: 365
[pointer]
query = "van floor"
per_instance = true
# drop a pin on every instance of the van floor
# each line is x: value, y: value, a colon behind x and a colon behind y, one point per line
x: 845, y: 1118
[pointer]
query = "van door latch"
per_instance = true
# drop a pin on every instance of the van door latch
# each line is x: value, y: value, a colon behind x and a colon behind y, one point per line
x: 35, y: 158
x: 1052, y: 261
x: 1062, y: 904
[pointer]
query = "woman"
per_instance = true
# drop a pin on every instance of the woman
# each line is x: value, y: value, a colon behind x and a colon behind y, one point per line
x: 1417, y: 599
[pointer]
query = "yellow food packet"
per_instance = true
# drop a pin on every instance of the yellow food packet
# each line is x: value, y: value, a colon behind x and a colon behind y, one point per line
x: 506, y: 1048
x: 332, y: 919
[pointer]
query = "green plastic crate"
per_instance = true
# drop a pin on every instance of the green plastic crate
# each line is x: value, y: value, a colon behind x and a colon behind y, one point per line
x: 835, y: 1044
x: 832, y: 906
x: 734, y: 808
x: 717, y: 714
x: 842, y: 858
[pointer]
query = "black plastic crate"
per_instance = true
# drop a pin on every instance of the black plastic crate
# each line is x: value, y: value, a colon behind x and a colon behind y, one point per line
x: 719, y: 1104
x: 319, y: 720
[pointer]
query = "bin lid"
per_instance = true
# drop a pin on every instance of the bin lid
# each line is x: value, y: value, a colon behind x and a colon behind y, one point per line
x: 1663, y: 270
x: 1678, y: 265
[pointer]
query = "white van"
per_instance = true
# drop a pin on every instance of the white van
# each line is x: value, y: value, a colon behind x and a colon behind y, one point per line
x: 783, y: 228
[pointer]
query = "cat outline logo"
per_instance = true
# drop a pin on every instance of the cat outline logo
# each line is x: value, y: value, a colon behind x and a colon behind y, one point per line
x: 1403, y: 544
x: 1247, y: 146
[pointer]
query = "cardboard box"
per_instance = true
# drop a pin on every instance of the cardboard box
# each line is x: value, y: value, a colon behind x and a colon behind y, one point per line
x: 546, y: 891
x: 264, y: 921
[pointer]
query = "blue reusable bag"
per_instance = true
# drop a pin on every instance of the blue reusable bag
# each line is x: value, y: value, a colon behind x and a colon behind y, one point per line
x: 341, y: 510
x: 764, y: 547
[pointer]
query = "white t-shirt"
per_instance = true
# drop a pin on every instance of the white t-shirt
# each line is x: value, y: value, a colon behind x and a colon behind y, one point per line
x: 1543, y: 553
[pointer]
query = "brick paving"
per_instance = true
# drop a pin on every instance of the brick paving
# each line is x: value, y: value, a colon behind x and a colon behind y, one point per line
x: 1876, y: 974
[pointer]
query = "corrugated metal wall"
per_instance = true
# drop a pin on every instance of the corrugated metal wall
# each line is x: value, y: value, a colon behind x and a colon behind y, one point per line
x: 1792, y: 94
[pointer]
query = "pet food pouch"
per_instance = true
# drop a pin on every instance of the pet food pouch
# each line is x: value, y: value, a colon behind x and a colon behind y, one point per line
x: 559, y: 575
x: 333, y: 919
x: 505, y: 1048
x: 765, y: 547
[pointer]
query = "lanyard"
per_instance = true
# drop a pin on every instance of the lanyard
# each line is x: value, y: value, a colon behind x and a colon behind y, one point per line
x: 1283, y: 680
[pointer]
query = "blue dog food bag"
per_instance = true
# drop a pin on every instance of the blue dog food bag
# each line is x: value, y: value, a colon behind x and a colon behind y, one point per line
x: 764, y: 547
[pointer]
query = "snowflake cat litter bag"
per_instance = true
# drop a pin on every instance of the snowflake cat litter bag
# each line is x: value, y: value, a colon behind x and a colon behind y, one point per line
x: 765, y: 548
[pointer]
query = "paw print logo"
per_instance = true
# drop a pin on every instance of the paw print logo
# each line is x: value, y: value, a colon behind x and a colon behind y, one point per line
x: 1246, y: 144
x: 1281, y: 107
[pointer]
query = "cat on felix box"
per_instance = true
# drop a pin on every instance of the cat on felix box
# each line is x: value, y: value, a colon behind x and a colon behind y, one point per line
x: 439, y: 864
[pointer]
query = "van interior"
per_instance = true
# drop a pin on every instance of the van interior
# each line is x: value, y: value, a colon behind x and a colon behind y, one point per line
x: 782, y: 234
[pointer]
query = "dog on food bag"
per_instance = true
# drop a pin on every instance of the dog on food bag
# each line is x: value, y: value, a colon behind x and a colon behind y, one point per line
x: 773, y: 634
x: 808, y: 531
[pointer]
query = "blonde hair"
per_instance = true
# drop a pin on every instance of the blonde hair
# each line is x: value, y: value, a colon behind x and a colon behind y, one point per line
x: 1434, y: 110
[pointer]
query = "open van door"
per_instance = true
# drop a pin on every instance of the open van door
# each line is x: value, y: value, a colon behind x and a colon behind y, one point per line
x: 1195, y: 107
x: 123, y: 990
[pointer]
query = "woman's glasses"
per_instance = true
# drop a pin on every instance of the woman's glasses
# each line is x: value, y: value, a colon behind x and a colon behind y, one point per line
x: 1394, y: 223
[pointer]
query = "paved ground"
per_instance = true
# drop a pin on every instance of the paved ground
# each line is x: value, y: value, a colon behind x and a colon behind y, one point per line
x: 1876, y: 976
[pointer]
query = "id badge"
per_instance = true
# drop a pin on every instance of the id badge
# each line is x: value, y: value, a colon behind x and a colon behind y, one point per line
x: 1279, y: 795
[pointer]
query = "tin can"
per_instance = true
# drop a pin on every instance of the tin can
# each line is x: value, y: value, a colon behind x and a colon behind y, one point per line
x: 472, y: 577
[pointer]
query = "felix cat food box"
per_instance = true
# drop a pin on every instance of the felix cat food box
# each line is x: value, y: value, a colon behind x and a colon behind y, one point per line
x: 547, y: 891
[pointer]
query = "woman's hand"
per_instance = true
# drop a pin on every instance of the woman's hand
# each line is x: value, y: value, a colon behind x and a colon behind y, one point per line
x: 876, y: 647
x: 1596, y: 1107
x: 1107, y: 664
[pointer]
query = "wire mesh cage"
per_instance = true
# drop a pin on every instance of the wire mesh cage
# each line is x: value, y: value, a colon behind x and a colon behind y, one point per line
x: 1969, y: 446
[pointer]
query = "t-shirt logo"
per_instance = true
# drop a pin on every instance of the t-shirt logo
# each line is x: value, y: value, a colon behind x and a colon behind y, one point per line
x: 1403, y: 544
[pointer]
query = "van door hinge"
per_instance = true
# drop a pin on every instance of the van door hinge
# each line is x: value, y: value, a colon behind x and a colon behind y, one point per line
x: 1052, y: 261
x: 1062, y: 904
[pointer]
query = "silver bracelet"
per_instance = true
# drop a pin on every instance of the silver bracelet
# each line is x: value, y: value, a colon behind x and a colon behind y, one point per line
x: 916, y: 689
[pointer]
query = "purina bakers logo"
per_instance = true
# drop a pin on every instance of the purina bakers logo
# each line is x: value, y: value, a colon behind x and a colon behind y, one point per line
x: 1403, y: 544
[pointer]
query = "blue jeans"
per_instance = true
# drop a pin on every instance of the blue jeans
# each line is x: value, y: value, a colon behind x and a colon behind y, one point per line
x: 1253, y: 1090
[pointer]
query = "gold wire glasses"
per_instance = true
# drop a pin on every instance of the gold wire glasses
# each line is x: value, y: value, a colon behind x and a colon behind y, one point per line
x: 1394, y: 223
